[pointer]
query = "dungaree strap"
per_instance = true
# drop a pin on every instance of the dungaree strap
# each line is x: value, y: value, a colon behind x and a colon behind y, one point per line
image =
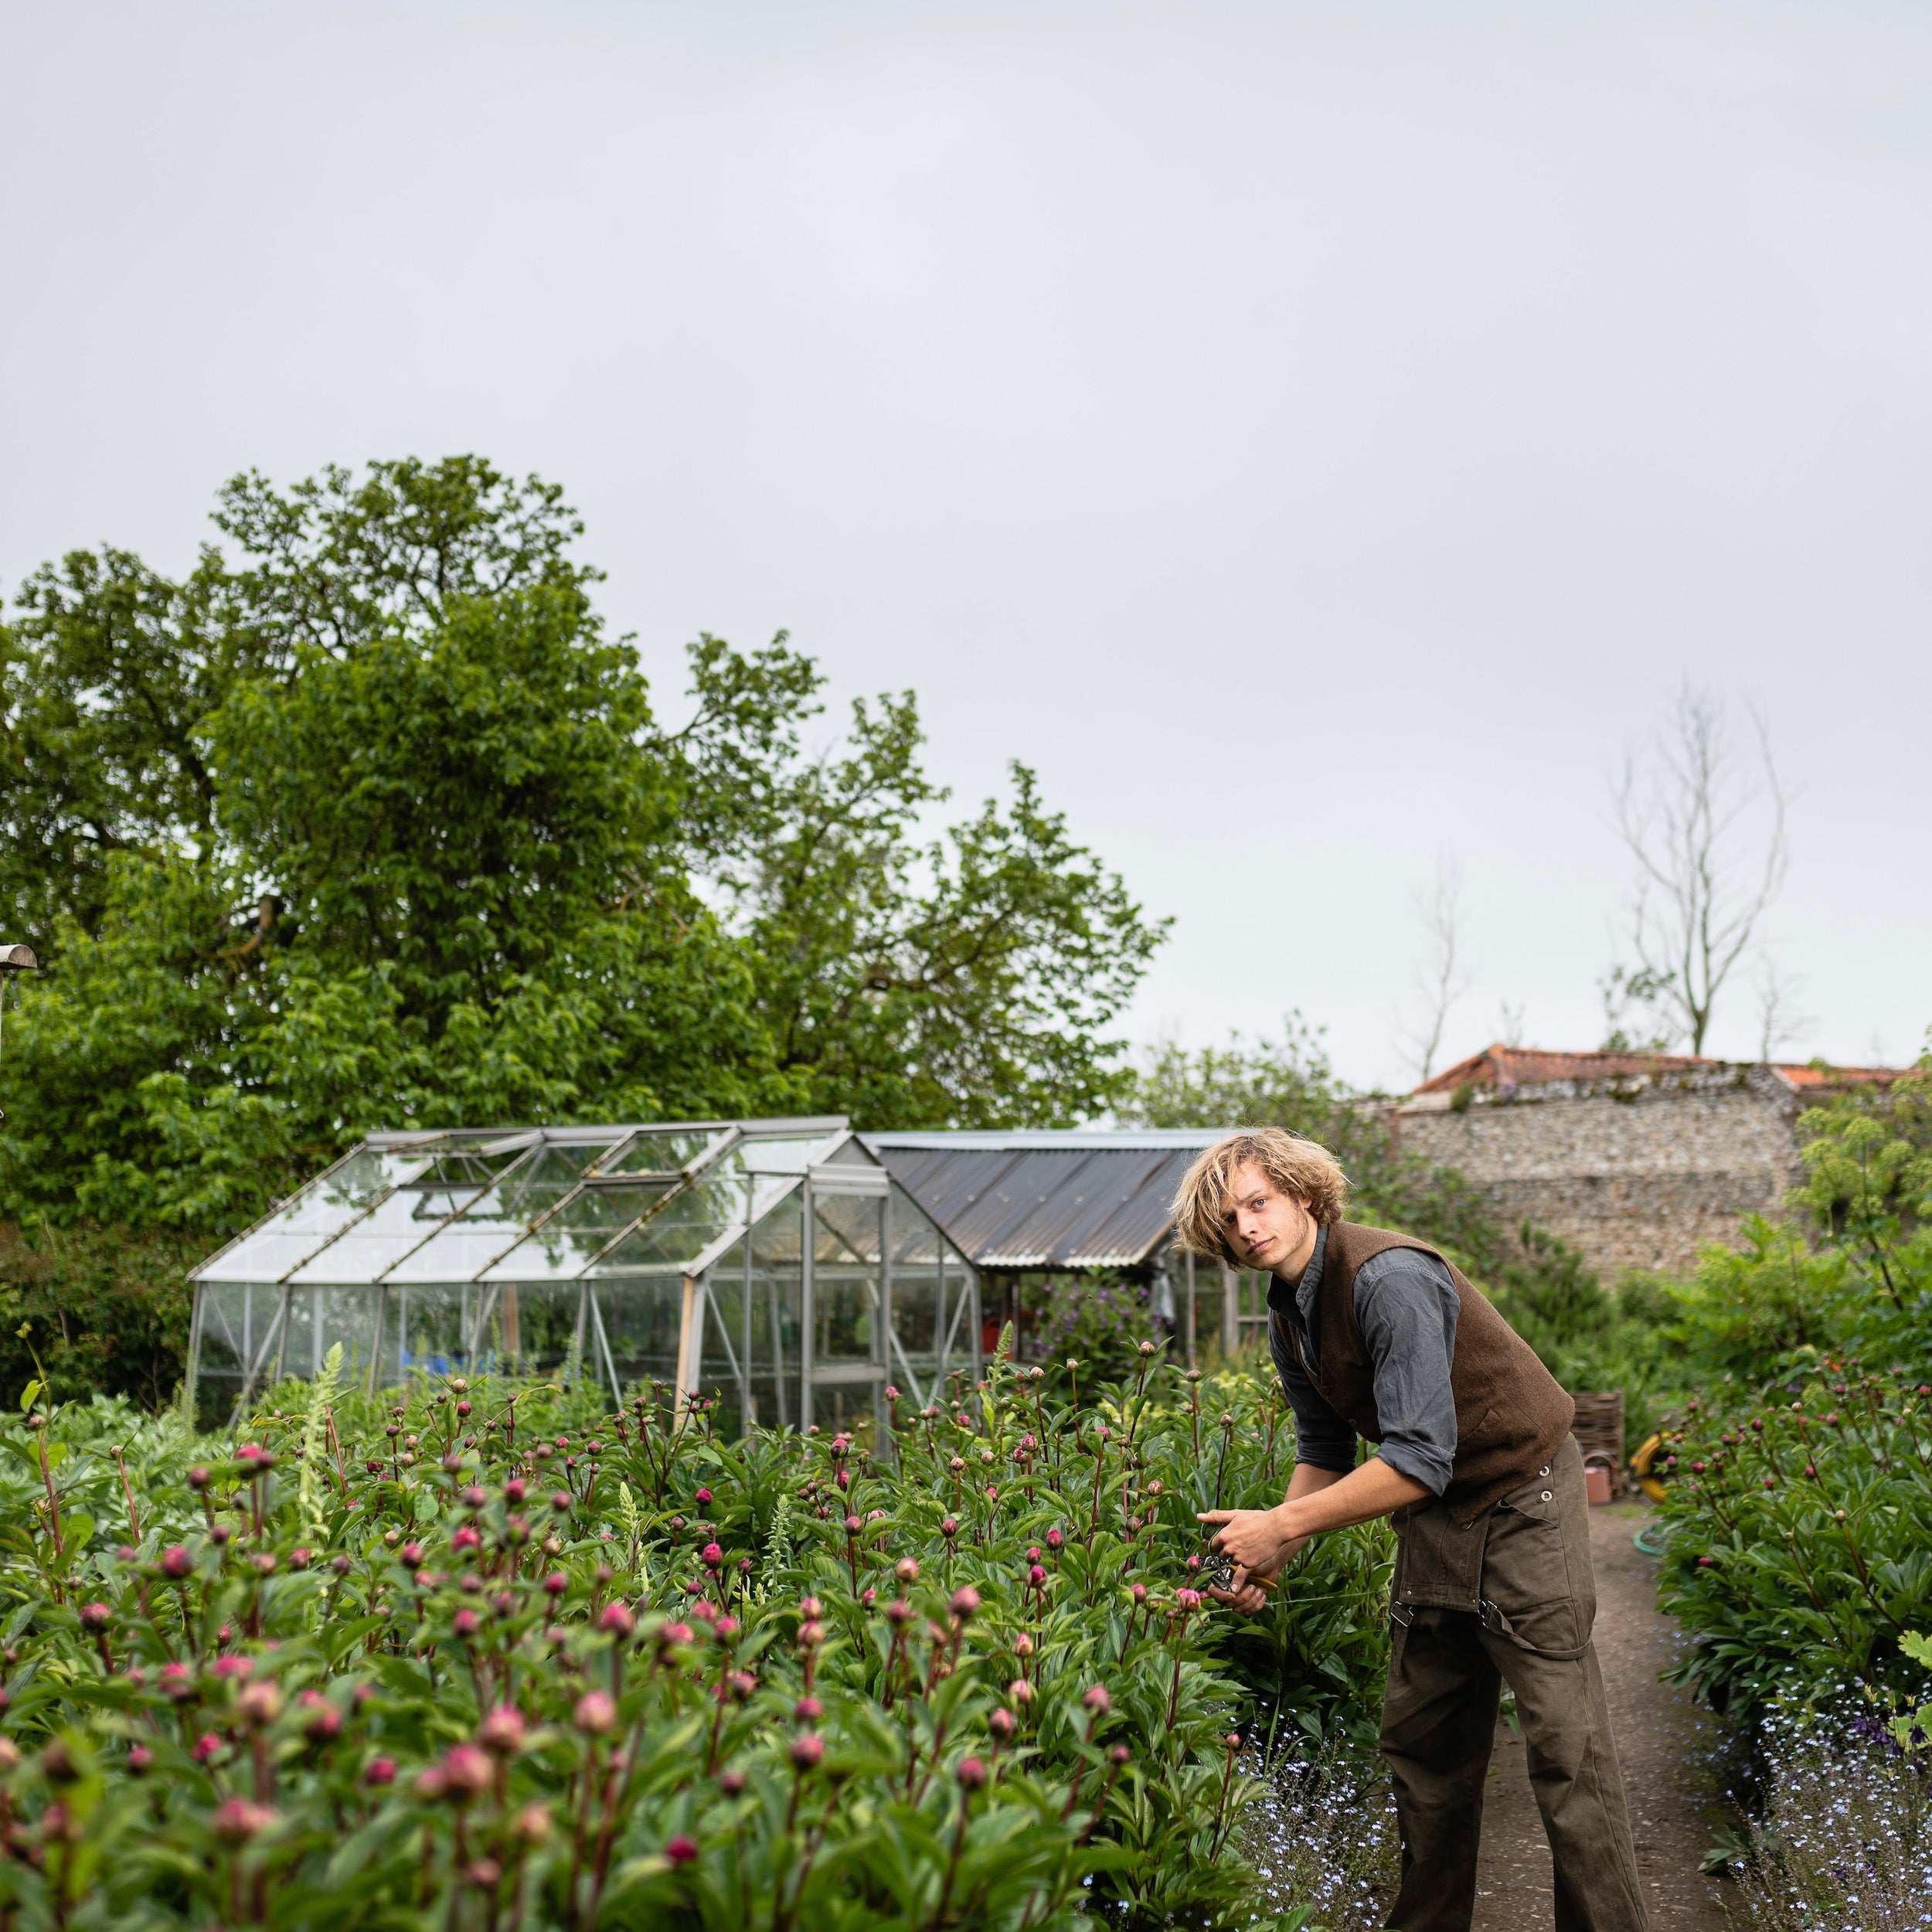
x: 1493, y: 1620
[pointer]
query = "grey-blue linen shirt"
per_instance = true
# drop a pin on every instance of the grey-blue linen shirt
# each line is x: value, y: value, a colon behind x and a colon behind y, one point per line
x: 1407, y: 1304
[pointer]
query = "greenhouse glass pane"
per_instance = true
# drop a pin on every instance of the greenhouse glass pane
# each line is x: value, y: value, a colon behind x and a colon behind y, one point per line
x: 641, y: 1322
x: 917, y: 1275
x: 915, y: 1239
x: 845, y: 1280
x: 320, y: 1317
x: 528, y: 1326
x: 377, y: 1243
x: 487, y: 1226
x: 321, y: 1208
x: 661, y: 1153
x: 786, y: 1155
x: 723, y: 1351
x: 431, y: 1330
x: 846, y: 1406
x: 687, y: 1224
x: 957, y: 1291
x: 537, y: 1187
x: 848, y: 1230
x: 561, y: 1247
x: 776, y: 1303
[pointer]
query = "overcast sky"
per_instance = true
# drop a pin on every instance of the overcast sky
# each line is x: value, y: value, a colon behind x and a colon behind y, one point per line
x: 1321, y: 439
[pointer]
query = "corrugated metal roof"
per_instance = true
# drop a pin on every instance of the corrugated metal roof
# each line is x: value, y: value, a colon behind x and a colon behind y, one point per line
x: 1037, y: 1200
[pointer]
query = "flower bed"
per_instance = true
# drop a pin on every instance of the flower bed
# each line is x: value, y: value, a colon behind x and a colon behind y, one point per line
x: 1801, y: 1537
x: 490, y: 1658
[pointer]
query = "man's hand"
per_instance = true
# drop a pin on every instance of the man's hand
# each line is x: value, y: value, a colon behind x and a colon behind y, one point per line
x: 1260, y: 1541
x: 1318, y: 1500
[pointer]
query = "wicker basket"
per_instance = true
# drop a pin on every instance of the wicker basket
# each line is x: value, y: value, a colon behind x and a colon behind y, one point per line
x: 1599, y: 1431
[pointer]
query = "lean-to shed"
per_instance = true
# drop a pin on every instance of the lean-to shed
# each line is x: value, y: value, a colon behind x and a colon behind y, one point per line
x: 775, y: 1262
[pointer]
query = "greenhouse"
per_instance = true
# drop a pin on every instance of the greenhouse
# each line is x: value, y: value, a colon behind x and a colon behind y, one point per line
x: 674, y: 1252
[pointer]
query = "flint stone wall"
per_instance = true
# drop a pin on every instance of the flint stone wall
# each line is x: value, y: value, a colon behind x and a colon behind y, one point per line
x: 1636, y: 1172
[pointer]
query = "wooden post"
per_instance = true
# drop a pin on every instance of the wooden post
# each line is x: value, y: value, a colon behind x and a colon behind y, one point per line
x: 808, y: 1307
x: 1190, y: 1308
x: 687, y: 1347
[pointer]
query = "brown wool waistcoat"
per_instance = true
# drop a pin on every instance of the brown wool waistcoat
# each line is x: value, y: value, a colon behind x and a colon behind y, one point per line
x: 1512, y: 1416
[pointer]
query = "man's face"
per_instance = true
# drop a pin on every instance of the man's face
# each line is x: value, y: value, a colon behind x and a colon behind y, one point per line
x: 1267, y: 1228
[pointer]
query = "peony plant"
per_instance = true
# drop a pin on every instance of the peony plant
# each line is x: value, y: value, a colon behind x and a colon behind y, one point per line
x: 474, y: 1654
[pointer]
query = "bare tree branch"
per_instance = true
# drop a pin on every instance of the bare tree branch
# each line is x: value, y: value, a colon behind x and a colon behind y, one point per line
x: 1703, y: 814
x: 1440, y: 983
x: 1778, y: 1018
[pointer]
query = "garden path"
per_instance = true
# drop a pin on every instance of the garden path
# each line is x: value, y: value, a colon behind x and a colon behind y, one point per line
x: 1666, y: 1746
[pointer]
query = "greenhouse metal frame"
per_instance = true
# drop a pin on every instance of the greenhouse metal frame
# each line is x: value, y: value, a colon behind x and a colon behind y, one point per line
x: 667, y: 1252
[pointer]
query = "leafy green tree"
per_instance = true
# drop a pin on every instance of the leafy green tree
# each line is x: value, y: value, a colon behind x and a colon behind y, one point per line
x: 368, y: 823
x: 105, y: 683
x: 961, y: 983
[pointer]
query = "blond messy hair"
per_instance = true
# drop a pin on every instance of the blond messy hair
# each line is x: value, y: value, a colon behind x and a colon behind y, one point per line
x: 1302, y: 1168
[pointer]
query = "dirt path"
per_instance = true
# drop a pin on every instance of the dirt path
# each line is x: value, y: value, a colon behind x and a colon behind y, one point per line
x: 1664, y: 1742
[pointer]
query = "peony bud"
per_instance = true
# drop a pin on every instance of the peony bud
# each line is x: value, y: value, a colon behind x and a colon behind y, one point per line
x: 236, y: 1820
x: 466, y: 1772
x: 260, y: 1704
x: 502, y: 1731
x: 595, y: 1713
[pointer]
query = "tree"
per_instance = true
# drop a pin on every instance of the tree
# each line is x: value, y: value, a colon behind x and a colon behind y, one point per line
x: 1440, y: 983
x: 367, y: 823
x: 1701, y: 812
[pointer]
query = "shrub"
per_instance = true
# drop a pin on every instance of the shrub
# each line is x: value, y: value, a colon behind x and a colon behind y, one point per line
x: 1588, y: 1337
x: 485, y: 1656
x: 104, y: 1309
x: 1801, y: 1544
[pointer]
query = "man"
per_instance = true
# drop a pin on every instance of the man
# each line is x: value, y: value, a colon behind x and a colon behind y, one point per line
x: 1375, y: 1335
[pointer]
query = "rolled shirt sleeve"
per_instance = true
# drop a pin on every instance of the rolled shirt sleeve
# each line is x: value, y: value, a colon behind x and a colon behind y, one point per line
x: 1406, y: 1304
